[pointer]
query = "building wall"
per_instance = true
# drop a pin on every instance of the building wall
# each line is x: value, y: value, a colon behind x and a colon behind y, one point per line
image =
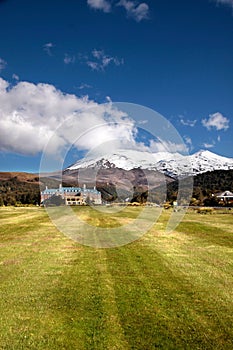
x: 73, y: 196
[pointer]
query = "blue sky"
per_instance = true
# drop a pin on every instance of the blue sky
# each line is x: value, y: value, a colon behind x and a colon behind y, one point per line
x: 59, y: 59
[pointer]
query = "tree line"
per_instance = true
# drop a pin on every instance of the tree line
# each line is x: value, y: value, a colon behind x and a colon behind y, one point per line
x: 16, y: 192
x: 205, y: 187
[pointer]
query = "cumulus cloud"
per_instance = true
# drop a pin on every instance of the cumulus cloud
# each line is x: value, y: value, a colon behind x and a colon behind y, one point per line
x: 216, y: 121
x: 33, y: 114
x: 48, y: 48
x: 134, y: 10
x: 99, y: 60
x: 3, y: 64
x: 102, y: 5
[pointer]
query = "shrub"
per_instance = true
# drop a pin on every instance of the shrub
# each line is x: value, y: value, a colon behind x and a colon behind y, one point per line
x: 205, y: 210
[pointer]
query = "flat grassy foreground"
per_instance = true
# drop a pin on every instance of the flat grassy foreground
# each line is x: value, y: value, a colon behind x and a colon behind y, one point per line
x: 166, y: 291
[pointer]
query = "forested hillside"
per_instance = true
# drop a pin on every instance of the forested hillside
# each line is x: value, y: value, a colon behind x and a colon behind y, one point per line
x: 205, y: 186
x: 23, y: 188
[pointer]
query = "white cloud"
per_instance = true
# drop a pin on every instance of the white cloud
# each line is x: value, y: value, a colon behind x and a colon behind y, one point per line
x: 216, y: 121
x: 94, y: 65
x: 99, y: 61
x: 3, y: 64
x: 98, y: 54
x: 48, y: 48
x: 209, y: 145
x: 134, y: 10
x: 103, y: 5
x: 188, y: 142
x: 225, y: 2
x: 84, y: 86
x: 167, y: 146
x: 69, y: 59
x: 108, y: 99
x: 187, y: 122
x: 30, y: 114
x: 3, y: 86
x: 15, y: 77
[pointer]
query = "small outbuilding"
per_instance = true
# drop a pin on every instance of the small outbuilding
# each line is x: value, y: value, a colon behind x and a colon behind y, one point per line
x: 226, y: 196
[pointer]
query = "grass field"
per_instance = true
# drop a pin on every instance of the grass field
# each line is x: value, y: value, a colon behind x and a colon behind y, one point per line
x: 164, y: 291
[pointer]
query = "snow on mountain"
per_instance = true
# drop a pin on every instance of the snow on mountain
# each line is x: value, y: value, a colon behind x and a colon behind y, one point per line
x: 203, y: 161
x: 172, y: 164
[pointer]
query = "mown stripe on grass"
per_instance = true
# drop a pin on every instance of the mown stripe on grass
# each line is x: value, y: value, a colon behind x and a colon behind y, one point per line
x: 159, y: 292
x: 112, y: 320
x: 208, y: 234
x: 167, y: 311
x: 83, y: 303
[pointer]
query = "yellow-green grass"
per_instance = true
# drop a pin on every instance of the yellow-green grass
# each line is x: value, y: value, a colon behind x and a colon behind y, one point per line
x: 164, y: 291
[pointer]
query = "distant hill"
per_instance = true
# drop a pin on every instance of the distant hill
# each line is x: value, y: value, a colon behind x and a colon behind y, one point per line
x: 20, y: 176
x: 21, y: 188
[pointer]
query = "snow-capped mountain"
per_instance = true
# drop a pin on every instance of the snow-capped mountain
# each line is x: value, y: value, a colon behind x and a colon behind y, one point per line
x: 172, y: 164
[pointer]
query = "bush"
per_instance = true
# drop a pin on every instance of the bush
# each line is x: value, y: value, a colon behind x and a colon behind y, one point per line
x: 167, y: 205
x: 205, y: 210
x: 134, y: 204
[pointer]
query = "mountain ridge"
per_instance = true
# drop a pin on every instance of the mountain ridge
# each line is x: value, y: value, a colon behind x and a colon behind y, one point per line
x: 171, y: 164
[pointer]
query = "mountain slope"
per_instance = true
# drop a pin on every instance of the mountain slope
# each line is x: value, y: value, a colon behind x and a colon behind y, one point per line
x: 171, y: 164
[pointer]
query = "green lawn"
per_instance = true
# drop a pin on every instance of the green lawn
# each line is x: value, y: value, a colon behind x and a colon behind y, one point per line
x: 164, y: 291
